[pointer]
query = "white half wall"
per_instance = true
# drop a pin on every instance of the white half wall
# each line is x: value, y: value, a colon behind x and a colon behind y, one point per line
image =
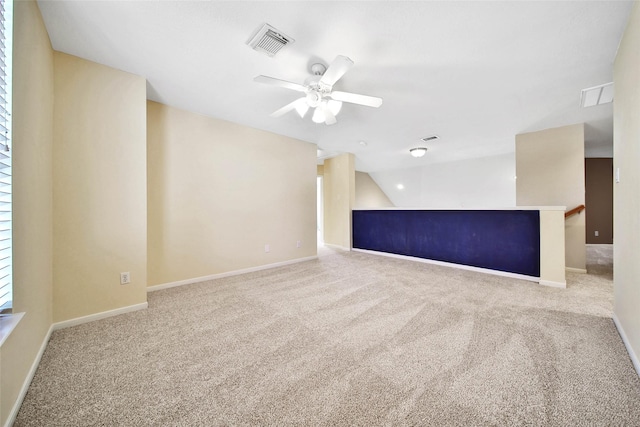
x: 472, y: 183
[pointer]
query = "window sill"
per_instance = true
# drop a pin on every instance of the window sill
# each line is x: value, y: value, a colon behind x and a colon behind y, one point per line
x: 8, y: 323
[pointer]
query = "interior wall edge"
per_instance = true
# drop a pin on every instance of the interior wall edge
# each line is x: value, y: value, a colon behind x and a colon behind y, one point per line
x: 632, y: 355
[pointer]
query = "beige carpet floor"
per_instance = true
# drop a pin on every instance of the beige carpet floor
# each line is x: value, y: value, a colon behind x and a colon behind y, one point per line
x: 350, y: 339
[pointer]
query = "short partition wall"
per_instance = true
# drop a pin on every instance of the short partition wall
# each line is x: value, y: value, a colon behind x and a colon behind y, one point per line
x: 505, y: 241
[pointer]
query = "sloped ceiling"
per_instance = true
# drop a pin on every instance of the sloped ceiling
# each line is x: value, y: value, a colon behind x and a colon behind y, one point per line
x: 474, y: 73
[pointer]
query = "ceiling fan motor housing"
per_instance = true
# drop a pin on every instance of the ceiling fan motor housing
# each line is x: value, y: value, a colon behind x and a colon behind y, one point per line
x: 318, y: 69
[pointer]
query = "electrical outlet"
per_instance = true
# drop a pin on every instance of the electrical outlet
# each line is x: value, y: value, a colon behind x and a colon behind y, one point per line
x: 299, y: 244
x: 596, y: 233
x: 266, y: 248
x: 125, y: 278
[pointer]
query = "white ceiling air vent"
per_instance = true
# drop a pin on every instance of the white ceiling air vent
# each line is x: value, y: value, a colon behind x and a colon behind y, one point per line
x: 597, y: 95
x: 268, y: 40
x: 430, y: 138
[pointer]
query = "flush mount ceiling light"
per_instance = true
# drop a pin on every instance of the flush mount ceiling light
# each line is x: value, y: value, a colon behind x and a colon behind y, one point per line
x: 418, y: 151
x: 597, y: 95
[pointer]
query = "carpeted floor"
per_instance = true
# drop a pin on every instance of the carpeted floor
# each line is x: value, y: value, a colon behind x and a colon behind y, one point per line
x: 350, y: 339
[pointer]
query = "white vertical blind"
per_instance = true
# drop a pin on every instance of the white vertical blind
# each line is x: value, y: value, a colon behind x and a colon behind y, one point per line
x: 6, y: 283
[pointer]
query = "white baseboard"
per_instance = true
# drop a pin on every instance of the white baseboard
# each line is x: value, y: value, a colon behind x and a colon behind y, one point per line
x: 27, y: 381
x: 227, y: 274
x: 54, y: 327
x: 576, y: 270
x: 342, y: 248
x: 551, y: 283
x: 452, y: 265
x: 98, y: 316
x: 627, y: 344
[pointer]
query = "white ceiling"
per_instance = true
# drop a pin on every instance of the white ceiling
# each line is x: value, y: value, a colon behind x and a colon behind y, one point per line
x: 474, y: 73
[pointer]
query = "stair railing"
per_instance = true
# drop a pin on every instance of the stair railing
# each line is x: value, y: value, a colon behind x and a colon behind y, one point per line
x: 574, y: 211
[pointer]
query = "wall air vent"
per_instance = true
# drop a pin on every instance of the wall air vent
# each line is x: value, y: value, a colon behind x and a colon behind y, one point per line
x: 268, y: 40
x: 430, y: 138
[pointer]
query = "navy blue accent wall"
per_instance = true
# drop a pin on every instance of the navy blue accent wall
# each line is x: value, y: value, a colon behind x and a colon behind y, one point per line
x: 503, y: 240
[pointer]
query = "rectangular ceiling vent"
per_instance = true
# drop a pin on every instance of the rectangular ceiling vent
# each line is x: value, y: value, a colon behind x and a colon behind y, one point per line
x: 597, y: 95
x: 268, y: 40
x: 430, y: 138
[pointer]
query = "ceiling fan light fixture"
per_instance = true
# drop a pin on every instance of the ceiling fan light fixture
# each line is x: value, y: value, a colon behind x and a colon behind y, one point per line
x: 313, y: 98
x: 418, y: 151
x: 318, y: 115
x: 302, y: 108
x: 319, y: 94
x: 334, y: 106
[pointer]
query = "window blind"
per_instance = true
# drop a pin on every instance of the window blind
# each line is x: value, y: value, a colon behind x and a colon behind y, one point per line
x: 6, y: 282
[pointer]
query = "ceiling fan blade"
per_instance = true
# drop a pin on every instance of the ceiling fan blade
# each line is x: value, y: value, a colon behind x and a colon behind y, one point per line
x: 282, y: 83
x: 288, y: 107
x: 354, y: 98
x: 336, y: 69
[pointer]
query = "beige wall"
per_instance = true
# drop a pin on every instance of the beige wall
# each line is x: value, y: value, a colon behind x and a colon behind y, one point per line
x: 368, y: 194
x: 339, y: 199
x: 550, y: 172
x: 32, y: 202
x: 99, y: 188
x: 626, y: 204
x: 219, y: 192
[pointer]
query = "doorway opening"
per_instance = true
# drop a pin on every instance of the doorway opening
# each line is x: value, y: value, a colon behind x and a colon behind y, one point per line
x: 599, y: 185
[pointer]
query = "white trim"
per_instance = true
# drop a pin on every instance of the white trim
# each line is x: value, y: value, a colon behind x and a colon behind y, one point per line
x: 8, y: 323
x: 27, y: 381
x: 332, y: 246
x: 576, y: 270
x: 227, y: 274
x: 452, y: 265
x: 54, y: 327
x: 627, y: 344
x: 99, y: 316
x: 551, y: 283
x: 479, y: 208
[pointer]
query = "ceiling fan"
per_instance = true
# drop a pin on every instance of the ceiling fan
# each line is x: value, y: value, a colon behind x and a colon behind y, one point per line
x: 319, y: 93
